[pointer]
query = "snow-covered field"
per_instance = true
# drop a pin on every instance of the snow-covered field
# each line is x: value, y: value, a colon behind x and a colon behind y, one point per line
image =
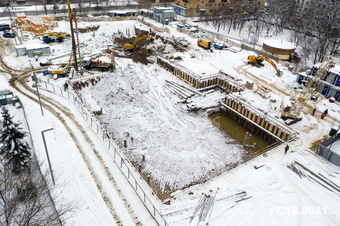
x: 175, y: 142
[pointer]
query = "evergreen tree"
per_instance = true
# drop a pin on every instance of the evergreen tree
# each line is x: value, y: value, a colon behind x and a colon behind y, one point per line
x: 14, y: 149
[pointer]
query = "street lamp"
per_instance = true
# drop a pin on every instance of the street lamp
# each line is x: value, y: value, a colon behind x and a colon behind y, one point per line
x: 34, y: 77
x: 48, y: 158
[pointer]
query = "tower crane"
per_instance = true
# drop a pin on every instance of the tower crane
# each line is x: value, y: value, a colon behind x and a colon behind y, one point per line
x: 293, y: 110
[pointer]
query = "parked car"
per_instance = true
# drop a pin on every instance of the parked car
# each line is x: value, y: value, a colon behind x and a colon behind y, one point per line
x: 21, y: 1
x: 8, y: 35
x: 4, y: 27
x: 5, y: 3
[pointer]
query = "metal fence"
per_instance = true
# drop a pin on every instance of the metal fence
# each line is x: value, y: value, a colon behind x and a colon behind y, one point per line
x: 114, y: 148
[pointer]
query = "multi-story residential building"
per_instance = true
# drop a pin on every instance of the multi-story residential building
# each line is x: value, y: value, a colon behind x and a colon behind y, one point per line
x: 207, y: 7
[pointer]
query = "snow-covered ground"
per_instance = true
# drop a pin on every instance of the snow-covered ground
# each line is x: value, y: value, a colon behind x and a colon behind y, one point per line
x: 135, y: 102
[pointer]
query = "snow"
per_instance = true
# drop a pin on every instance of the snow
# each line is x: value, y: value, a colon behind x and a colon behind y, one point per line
x: 335, y: 147
x: 179, y: 146
x: 280, y: 44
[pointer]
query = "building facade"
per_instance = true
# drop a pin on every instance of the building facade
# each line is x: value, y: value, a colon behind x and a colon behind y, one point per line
x: 330, y: 86
x: 207, y: 7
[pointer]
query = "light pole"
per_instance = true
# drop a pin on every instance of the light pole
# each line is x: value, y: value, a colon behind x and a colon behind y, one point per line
x: 34, y: 77
x: 48, y: 158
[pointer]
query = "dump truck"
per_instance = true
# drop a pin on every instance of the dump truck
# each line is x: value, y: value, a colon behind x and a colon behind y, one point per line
x: 205, y: 43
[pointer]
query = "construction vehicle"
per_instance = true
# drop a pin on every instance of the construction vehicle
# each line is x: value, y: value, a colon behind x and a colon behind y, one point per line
x: 291, y: 109
x: 257, y: 62
x: 52, y: 36
x: 101, y: 64
x: 60, y: 70
x: 205, y: 43
x: 131, y: 46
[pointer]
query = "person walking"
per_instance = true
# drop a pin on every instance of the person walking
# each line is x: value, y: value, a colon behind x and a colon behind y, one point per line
x: 313, y: 111
x: 323, y: 115
x: 65, y: 86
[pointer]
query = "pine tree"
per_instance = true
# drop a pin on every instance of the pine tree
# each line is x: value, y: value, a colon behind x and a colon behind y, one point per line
x: 14, y: 149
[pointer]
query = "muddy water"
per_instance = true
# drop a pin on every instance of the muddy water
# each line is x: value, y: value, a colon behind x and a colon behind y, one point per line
x: 237, y: 132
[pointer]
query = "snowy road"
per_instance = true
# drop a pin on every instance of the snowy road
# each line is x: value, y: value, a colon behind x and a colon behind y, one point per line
x: 90, y: 153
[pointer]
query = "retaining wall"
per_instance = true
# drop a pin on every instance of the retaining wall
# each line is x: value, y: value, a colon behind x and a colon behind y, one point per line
x: 223, y: 80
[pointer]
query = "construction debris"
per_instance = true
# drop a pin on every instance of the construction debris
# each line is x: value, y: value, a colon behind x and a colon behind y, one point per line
x: 37, y: 24
x: 209, y: 99
x: 204, y: 207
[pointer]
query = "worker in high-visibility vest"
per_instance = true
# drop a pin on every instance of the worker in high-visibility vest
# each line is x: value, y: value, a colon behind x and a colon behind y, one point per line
x: 323, y: 115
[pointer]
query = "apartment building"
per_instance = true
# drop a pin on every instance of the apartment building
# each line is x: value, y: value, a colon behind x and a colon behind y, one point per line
x: 207, y: 7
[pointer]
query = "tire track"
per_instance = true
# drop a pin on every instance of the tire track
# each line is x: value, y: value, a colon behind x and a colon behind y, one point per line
x: 21, y: 77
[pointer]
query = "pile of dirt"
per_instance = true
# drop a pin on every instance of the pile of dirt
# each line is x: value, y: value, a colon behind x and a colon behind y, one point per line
x: 88, y: 29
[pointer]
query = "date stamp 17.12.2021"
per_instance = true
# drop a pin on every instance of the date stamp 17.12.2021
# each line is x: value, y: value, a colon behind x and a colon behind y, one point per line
x: 298, y: 210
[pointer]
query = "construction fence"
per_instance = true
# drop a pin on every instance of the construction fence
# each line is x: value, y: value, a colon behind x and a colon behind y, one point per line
x: 114, y: 148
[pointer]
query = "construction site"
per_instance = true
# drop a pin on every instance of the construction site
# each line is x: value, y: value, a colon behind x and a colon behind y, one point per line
x: 180, y: 109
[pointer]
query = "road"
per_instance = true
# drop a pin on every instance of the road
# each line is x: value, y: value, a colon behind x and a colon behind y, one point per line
x: 103, y: 174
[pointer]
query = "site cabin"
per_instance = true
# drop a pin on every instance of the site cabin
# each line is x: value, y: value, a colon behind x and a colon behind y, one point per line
x: 205, y: 43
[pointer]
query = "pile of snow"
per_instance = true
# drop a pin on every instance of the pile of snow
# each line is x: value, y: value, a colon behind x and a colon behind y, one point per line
x: 179, y: 147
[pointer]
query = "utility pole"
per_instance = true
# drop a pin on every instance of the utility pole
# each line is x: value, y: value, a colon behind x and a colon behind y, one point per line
x: 34, y: 77
x: 48, y: 158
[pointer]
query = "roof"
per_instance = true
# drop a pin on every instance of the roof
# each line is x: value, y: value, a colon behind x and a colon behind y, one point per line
x: 279, y: 44
x: 36, y: 46
x: 5, y: 92
x: 335, y: 69
x: 332, y: 144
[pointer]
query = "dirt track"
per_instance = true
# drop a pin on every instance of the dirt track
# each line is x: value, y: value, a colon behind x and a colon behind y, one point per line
x: 18, y: 80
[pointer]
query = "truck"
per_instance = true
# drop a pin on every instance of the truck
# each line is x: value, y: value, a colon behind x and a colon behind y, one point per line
x: 99, y: 64
x: 205, y: 43
x: 56, y: 71
x: 52, y: 36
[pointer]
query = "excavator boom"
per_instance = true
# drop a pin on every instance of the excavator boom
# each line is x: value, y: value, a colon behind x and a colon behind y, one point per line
x: 257, y: 61
x: 132, y: 46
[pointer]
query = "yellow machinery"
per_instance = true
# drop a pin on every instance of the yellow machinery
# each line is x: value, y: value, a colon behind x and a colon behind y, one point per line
x: 205, y: 43
x: 52, y: 36
x: 132, y: 46
x: 293, y: 110
x: 257, y: 61
x: 99, y: 64
x: 54, y: 33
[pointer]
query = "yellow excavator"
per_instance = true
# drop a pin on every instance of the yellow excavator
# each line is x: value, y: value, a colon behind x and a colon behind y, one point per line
x: 257, y: 61
x: 132, y: 45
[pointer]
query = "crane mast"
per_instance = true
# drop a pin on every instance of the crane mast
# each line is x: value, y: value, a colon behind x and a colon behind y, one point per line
x: 302, y: 99
x: 72, y: 16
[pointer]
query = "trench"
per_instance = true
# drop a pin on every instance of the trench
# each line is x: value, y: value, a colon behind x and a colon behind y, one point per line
x: 238, y: 132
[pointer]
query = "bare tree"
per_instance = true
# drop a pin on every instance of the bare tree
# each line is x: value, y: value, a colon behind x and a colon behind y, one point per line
x: 281, y: 12
x: 25, y: 199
